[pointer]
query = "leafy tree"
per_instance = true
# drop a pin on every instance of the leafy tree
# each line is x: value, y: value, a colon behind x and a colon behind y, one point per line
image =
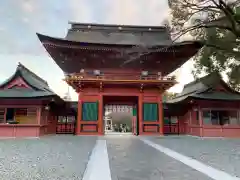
x: 168, y: 95
x: 216, y: 23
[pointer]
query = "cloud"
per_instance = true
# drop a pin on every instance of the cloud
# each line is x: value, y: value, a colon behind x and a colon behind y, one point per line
x: 81, y: 11
x: 138, y: 12
x: 28, y: 6
x: 51, y: 17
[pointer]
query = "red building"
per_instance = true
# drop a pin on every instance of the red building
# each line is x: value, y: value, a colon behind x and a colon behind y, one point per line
x: 207, y: 107
x: 110, y: 64
x: 27, y: 105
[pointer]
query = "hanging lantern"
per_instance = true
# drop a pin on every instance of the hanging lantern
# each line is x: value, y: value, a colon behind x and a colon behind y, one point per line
x: 47, y: 108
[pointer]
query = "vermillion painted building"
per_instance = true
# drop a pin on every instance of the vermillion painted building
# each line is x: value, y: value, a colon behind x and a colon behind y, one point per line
x: 27, y: 105
x: 207, y: 107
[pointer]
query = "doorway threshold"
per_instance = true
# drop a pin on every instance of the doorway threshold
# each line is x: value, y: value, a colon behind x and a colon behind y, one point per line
x: 119, y: 134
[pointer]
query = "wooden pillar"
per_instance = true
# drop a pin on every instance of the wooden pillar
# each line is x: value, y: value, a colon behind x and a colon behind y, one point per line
x: 200, y: 121
x: 140, y: 113
x: 5, y: 115
x: 39, y: 115
x: 160, y: 114
x: 100, y: 114
x: 79, y: 116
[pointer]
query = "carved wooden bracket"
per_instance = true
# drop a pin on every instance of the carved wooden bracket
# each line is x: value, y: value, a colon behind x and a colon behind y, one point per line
x: 101, y: 87
x: 80, y: 86
x: 141, y: 87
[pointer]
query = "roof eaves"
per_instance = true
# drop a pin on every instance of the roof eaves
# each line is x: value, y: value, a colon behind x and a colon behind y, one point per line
x: 177, y: 100
x: 22, y: 67
x: 48, y: 39
x: 8, y: 79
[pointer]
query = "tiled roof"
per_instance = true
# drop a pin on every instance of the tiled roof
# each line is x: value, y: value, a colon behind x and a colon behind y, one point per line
x: 204, y: 88
x: 119, y: 34
x: 39, y: 86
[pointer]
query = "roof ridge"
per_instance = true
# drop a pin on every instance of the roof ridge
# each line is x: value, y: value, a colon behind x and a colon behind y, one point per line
x: 20, y: 65
x: 116, y: 25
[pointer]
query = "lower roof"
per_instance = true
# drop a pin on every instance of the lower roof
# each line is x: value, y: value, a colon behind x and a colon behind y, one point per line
x: 24, y: 93
x: 223, y: 96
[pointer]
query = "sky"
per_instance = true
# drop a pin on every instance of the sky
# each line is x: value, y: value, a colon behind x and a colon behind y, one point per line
x: 21, y: 19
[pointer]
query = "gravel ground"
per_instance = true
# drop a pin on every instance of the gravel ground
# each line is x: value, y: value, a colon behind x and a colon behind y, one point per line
x: 131, y: 159
x: 223, y: 154
x: 48, y: 158
x: 65, y: 157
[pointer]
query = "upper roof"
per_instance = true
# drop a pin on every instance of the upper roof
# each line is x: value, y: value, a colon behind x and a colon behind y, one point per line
x: 205, y: 88
x: 98, y: 46
x: 39, y: 87
x: 118, y: 34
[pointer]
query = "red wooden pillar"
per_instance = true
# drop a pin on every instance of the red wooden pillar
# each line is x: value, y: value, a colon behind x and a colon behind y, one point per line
x: 100, y: 115
x: 200, y: 121
x: 79, y: 116
x: 140, y: 113
x: 39, y: 116
x: 160, y: 115
x: 5, y: 115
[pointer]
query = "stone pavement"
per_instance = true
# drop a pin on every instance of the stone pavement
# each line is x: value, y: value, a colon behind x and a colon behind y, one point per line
x: 128, y: 158
x: 220, y: 153
x: 131, y: 159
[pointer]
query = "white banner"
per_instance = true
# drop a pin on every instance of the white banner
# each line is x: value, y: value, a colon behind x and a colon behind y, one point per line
x: 118, y: 108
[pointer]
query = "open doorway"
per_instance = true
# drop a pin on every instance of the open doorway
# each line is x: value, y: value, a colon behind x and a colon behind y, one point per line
x: 120, y: 115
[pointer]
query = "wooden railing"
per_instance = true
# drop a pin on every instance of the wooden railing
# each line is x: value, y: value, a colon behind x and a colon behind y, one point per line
x: 117, y: 76
x: 65, y: 128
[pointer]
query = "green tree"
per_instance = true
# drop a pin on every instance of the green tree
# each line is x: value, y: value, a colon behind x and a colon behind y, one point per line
x: 168, y: 95
x: 216, y: 23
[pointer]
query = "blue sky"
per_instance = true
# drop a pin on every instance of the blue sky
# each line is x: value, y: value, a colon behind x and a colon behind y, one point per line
x: 21, y: 19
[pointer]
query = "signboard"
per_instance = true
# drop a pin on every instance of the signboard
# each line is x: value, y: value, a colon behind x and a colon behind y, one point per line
x: 118, y: 108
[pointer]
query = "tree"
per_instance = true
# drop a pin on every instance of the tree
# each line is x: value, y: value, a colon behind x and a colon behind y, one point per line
x: 168, y: 95
x: 216, y: 23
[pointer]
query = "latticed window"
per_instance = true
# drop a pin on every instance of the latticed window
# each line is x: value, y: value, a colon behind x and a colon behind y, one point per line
x: 220, y: 117
x: 22, y: 115
x: 90, y: 111
x: 62, y: 119
x: 150, y: 112
x: 66, y: 119
x: 26, y: 115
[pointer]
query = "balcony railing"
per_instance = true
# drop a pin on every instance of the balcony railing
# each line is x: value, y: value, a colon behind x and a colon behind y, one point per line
x: 118, y: 76
x: 105, y: 76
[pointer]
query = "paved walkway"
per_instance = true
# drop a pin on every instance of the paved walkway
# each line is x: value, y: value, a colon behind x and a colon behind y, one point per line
x: 220, y: 153
x: 117, y: 158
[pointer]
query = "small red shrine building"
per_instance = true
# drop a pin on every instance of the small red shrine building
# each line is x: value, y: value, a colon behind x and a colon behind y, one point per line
x: 113, y: 63
x: 28, y: 106
x: 207, y: 107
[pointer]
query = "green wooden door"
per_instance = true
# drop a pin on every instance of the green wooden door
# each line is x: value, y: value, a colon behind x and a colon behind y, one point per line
x: 90, y: 111
x: 150, y: 112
